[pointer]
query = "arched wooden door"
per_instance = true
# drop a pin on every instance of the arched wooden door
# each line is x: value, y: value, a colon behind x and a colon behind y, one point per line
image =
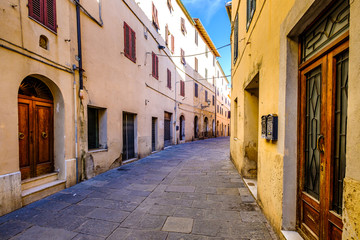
x: 36, y: 128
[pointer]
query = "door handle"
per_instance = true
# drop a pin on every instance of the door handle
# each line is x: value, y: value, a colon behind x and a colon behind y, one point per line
x: 319, y: 145
x: 44, y: 135
x: 21, y: 135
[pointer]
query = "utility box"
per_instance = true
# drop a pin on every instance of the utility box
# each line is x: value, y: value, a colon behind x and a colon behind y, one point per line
x: 272, y: 127
x: 263, y: 126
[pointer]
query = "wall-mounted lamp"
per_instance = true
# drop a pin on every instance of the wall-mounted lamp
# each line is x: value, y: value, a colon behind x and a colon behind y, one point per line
x: 161, y: 47
x: 146, y: 101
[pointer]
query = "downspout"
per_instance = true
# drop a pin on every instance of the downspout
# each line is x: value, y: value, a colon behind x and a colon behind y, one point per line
x: 175, y: 106
x: 79, y: 57
x: 215, y: 110
x: 76, y: 128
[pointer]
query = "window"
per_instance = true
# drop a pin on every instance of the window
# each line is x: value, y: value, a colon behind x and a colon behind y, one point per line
x: 218, y: 92
x: 155, y: 18
x: 251, y: 6
x: 170, y: 5
x: 183, y: 28
x: 206, y: 96
x: 155, y: 66
x: 97, y: 130
x: 172, y: 44
x: 169, y: 79
x: 213, y: 83
x: 182, y: 88
x: 214, y: 60
x: 183, y: 57
x: 196, y: 65
x: 218, y: 108
x: 236, y: 38
x: 196, y: 90
x: 196, y: 37
x: 213, y: 100
x: 43, y: 12
x: 206, y: 73
x: 129, y: 43
x: 206, y: 51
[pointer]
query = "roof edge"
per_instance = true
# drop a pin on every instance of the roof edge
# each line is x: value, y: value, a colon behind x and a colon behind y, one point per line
x: 200, y: 27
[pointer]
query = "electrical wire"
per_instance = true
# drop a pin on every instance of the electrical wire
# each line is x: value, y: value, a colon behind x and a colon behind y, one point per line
x: 197, y: 54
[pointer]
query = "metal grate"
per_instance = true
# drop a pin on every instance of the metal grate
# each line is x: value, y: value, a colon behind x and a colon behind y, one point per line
x: 331, y: 25
x: 339, y: 156
x: 313, y: 127
x: 35, y: 88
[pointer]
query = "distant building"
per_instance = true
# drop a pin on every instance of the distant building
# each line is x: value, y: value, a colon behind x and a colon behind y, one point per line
x: 295, y: 112
x: 69, y: 115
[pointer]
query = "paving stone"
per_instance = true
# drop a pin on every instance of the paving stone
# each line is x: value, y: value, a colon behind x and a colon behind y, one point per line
x: 142, y: 187
x: 180, y: 189
x: 67, y: 197
x: 211, y: 190
x: 81, y: 236
x: 44, y: 233
x: 11, y: 228
x: 186, y: 212
x: 227, y: 191
x: 166, y: 210
x: 180, y: 236
x: 178, y: 224
x: 108, y: 215
x: 253, y: 216
x: 206, y: 227
x: 79, y: 210
x: 127, y: 234
x: 153, y: 222
x: 52, y: 205
x: 247, y: 199
x: 97, y: 228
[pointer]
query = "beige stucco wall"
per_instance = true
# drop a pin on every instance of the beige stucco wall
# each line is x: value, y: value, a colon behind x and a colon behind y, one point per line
x: 21, y: 57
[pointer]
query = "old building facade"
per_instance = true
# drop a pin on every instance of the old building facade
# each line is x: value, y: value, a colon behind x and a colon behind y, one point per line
x: 295, y: 111
x: 90, y: 85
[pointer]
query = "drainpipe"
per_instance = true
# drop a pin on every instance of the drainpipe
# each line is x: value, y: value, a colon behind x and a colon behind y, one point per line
x: 76, y: 129
x: 215, y: 110
x: 175, y: 108
x: 79, y: 57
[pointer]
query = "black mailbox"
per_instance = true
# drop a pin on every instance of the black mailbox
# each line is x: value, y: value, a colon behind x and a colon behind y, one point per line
x: 272, y: 127
x: 263, y: 126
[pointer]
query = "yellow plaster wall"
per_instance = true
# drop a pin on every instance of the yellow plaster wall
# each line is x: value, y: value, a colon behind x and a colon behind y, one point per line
x: 261, y: 56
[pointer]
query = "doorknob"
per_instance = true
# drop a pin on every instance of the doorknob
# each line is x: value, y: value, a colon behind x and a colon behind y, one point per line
x: 319, y: 145
x: 21, y: 135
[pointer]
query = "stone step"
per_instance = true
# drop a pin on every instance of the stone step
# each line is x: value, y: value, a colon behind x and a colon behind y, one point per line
x: 36, y: 193
x: 38, y: 181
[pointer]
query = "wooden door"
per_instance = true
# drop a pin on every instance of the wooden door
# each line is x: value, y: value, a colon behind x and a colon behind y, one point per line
x: 322, y: 143
x: 35, y: 136
x: 153, y: 134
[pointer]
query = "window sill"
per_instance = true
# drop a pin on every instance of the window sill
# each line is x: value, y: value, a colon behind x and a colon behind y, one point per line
x: 43, y: 25
x: 97, y: 150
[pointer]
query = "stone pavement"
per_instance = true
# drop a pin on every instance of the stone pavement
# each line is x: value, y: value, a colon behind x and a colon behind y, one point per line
x: 188, y: 191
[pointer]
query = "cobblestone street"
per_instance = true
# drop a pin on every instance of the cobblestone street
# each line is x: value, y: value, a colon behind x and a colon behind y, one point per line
x: 188, y: 191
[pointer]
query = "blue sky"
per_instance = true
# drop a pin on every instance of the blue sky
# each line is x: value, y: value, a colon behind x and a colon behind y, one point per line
x: 213, y: 16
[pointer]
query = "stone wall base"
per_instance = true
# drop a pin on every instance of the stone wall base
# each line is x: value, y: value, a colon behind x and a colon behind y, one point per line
x: 10, y: 192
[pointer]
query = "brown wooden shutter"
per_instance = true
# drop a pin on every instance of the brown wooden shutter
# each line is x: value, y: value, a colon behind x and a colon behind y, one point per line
x: 183, y: 57
x: 153, y: 13
x: 126, y: 40
x: 157, y: 67
x: 196, y: 64
x: 166, y: 35
x: 153, y: 64
x: 133, y: 46
x: 50, y: 14
x: 36, y: 9
x: 172, y: 43
x: 183, y: 28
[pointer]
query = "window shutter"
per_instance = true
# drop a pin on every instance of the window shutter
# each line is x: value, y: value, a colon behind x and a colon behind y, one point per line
x: 166, y: 35
x: 153, y: 12
x: 157, y: 67
x: 50, y: 14
x: 126, y: 40
x: 153, y: 64
x: 196, y: 65
x: 36, y: 10
x: 172, y: 43
x: 133, y: 46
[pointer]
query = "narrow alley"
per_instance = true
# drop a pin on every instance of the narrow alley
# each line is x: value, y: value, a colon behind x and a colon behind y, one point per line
x: 188, y: 191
